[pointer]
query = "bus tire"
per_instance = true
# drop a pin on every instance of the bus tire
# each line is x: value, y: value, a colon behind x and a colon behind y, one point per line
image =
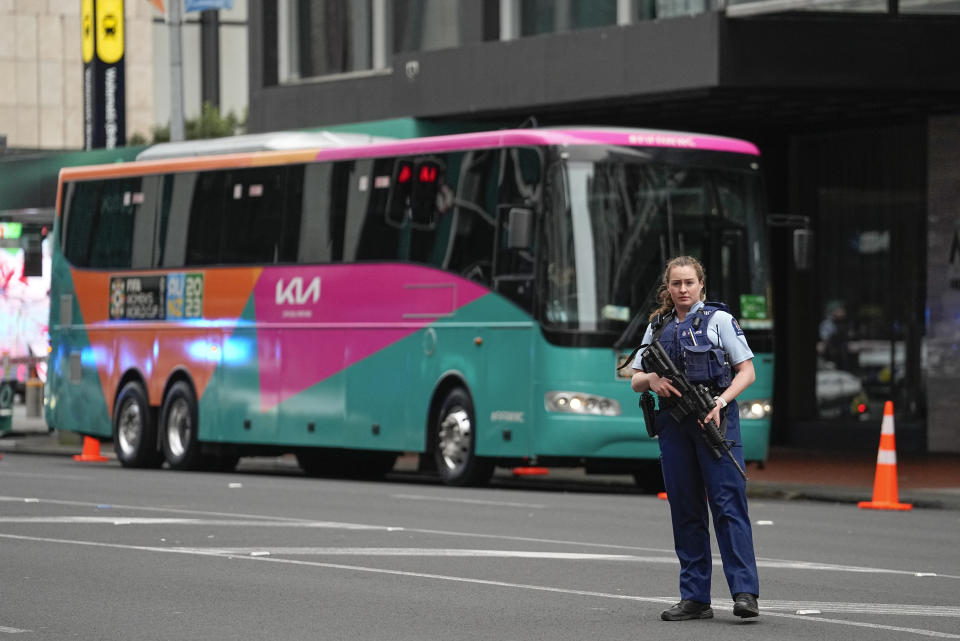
x: 178, y: 424
x: 454, y: 440
x: 134, y: 431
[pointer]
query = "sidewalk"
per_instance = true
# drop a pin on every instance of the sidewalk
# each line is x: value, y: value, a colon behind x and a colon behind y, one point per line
x: 927, y: 481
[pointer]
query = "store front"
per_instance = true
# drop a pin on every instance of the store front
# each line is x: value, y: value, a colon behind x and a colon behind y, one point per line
x: 853, y: 323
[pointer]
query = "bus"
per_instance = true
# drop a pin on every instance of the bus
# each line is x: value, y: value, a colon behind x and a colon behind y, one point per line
x: 463, y: 297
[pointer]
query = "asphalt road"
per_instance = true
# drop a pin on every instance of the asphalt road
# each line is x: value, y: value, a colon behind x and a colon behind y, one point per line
x: 96, y: 552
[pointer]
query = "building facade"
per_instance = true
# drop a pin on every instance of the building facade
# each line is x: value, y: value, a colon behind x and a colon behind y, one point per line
x: 855, y: 105
x: 41, y: 69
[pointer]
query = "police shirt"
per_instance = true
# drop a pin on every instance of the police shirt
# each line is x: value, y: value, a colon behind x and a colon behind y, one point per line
x: 722, y: 330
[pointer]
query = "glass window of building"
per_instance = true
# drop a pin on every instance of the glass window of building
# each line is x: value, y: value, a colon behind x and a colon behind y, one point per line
x: 548, y: 16
x: 419, y: 25
x: 323, y: 37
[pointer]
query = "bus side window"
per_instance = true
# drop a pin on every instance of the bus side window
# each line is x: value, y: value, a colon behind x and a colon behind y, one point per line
x: 325, y: 195
x: 253, y: 218
x: 176, y: 224
x: 81, y: 203
x: 379, y: 240
x: 147, y: 203
x: 520, y: 189
x: 289, y: 225
x: 470, y: 248
x: 206, y: 218
x: 112, y: 235
x: 359, y: 196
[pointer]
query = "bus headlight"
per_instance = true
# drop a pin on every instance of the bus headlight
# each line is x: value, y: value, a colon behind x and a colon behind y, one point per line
x: 755, y: 409
x: 578, y: 403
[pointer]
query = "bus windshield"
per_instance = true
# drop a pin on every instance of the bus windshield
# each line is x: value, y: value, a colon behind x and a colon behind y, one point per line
x: 614, y: 216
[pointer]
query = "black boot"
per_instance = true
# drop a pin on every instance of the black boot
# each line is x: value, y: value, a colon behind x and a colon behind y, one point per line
x: 745, y: 605
x: 686, y: 610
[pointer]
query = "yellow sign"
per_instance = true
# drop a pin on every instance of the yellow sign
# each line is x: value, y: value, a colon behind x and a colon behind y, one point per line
x: 86, y: 20
x: 110, y: 30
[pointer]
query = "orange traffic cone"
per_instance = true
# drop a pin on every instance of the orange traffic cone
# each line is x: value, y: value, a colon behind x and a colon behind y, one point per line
x: 91, y: 451
x: 885, y: 495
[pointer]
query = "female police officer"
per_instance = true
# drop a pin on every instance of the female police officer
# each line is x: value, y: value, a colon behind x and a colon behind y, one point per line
x: 704, y: 341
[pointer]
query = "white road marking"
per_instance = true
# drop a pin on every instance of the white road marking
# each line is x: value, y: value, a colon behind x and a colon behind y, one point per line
x: 7, y: 630
x: 434, y: 552
x: 59, y: 477
x: 123, y: 520
x: 258, y: 519
x: 423, y: 497
x: 468, y: 580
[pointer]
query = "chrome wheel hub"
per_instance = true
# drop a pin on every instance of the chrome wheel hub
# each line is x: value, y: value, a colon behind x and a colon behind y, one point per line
x: 179, y: 428
x: 456, y: 433
x: 129, y: 427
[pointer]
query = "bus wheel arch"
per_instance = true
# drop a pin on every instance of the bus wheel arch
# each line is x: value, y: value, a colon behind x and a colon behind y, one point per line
x: 134, y: 424
x: 452, y: 435
x: 178, y: 424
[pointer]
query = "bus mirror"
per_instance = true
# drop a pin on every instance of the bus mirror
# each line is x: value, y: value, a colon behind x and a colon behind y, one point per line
x: 519, y: 228
x: 802, y: 249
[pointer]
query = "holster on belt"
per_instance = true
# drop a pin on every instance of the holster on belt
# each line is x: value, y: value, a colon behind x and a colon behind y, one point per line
x: 648, y: 405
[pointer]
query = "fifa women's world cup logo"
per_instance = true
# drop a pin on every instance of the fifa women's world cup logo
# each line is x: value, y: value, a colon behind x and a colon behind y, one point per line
x: 118, y: 297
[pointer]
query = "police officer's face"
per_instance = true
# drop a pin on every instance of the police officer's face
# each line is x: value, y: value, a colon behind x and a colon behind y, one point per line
x: 684, y: 287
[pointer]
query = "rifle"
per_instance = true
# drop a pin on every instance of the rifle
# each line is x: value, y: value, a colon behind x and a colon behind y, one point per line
x: 693, y: 399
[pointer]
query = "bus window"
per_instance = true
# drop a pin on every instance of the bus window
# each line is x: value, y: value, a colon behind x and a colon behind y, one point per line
x: 291, y: 215
x: 206, y: 218
x: 174, y: 226
x: 82, y: 200
x: 470, y: 252
x: 163, y: 219
x: 111, y: 238
x: 147, y: 204
x: 520, y: 186
x: 253, y: 219
x: 378, y: 238
x: 317, y: 237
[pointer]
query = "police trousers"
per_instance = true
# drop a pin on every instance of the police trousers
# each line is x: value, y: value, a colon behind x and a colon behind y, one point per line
x: 694, y: 479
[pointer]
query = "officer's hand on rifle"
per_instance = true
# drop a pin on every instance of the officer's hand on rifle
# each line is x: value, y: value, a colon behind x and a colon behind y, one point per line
x: 714, y: 414
x: 662, y: 387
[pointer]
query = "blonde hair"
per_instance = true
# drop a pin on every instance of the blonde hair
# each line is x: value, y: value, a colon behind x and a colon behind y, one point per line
x: 663, y: 294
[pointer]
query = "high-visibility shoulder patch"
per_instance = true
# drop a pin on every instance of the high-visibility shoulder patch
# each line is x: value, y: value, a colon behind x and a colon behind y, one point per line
x: 736, y: 326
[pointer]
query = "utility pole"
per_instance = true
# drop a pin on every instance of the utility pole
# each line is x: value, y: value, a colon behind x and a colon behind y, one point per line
x: 174, y: 20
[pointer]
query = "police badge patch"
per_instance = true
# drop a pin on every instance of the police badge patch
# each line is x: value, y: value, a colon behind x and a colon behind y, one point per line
x: 736, y: 327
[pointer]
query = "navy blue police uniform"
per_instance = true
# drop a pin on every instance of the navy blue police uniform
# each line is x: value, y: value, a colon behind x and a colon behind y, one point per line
x: 705, y: 345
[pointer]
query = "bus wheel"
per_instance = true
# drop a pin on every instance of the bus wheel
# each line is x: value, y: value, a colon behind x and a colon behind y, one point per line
x: 455, y: 439
x: 179, y: 428
x: 134, y: 432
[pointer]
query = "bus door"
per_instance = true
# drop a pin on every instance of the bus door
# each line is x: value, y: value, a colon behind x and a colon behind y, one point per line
x: 508, y: 340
